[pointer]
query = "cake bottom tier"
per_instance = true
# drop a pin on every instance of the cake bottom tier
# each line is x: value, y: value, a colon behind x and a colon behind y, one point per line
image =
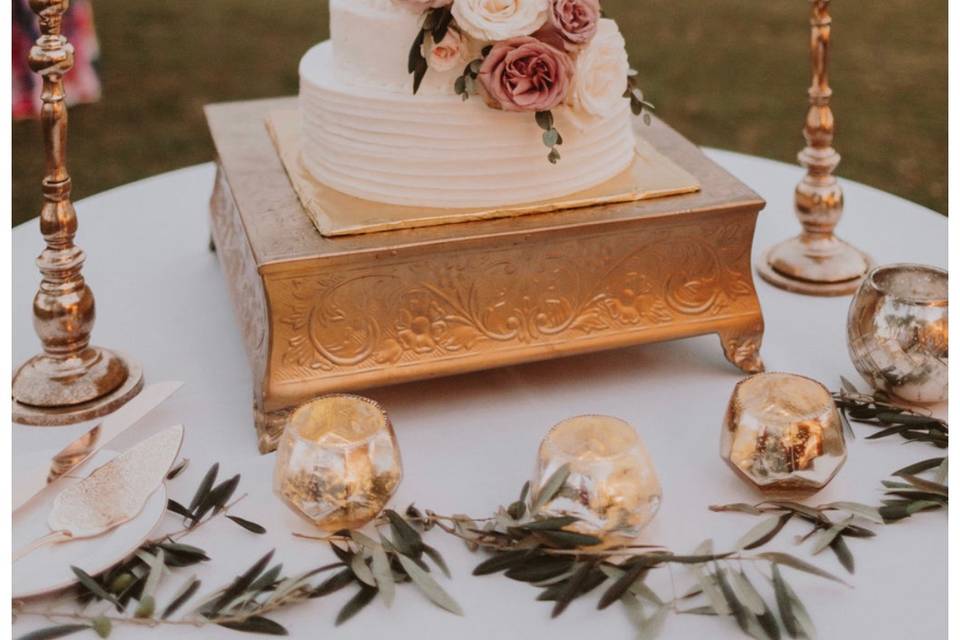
x: 439, y: 151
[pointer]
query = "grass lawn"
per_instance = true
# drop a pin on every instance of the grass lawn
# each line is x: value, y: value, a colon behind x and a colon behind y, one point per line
x: 726, y: 73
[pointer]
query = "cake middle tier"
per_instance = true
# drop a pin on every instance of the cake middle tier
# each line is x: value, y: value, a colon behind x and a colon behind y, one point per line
x: 439, y: 151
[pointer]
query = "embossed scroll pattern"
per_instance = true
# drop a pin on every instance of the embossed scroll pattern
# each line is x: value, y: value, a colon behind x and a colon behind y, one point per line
x: 240, y: 272
x: 470, y: 303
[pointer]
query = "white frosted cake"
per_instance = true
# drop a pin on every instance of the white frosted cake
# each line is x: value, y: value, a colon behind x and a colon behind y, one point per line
x: 367, y: 133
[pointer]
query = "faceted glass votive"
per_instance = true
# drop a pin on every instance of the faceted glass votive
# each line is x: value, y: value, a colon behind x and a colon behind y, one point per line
x: 612, y: 486
x: 897, y: 331
x: 338, y: 462
x: 782, y: 434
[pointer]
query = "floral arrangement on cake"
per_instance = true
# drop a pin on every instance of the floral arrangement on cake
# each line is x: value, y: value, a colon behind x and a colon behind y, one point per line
x: 528, y: 56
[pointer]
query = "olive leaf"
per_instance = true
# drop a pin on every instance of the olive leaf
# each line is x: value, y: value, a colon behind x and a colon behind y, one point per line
x: 59, y: 631
x: 763, y: 532
x: 362, y: 598
x: 553, y: 484
x: 429, y: 586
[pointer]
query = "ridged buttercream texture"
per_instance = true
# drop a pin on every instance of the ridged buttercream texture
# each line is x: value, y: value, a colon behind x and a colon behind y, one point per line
x: 367, y: 135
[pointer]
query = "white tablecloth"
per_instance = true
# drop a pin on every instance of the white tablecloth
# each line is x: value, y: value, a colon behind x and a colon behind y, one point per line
x: 469, y: 441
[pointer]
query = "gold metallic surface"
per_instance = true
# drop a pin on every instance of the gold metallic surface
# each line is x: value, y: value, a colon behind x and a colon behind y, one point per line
x: 113, y: 493
x: 70, y: 381
x: 897, y: 331
x: 336, y: 214
x: 817, y: 262
x: 782, y: 434
x: 321, y: 315
x: 338, y: 463
x: 612, y: 486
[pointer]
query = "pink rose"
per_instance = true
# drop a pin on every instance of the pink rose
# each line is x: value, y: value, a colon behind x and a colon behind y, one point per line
x: 446, y: 54
x: 422, y: 5
x: 575, y: 20
x: 525, y: 74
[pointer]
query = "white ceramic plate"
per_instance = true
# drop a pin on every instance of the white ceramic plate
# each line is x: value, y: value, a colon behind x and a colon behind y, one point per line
x: 47, y: 569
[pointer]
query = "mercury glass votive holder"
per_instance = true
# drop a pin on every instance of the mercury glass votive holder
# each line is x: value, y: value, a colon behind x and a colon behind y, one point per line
x: 782, y: 434
x: 897, y: 331
x: 338, y: 462
x: 612, y: 486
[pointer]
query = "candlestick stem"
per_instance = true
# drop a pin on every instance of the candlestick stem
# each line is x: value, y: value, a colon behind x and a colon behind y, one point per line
x: 71, y: 380
x: 817, y: 262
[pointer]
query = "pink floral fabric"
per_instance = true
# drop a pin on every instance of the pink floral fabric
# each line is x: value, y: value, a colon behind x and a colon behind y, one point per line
x: 83, y: 81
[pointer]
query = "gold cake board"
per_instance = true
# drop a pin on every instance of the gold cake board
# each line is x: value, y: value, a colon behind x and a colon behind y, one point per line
x: 650, y: 175
x: 324, y: 314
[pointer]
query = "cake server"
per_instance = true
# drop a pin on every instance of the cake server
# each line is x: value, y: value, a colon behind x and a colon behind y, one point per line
x: 79, y: 450
x: 113, y: 494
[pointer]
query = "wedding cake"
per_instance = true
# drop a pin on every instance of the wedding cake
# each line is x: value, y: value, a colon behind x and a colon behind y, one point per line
x: 467, y: 103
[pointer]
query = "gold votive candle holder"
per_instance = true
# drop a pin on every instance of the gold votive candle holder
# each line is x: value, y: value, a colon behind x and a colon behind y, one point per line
x: 612, y: 486
x: 783, y: 435
x: 897, y: 331
x: 338, y: 461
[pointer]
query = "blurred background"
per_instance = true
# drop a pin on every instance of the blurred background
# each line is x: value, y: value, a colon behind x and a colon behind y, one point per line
x: 726, y: 73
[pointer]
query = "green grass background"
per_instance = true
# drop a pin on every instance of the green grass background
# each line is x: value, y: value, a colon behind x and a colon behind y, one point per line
x: 726, y: 73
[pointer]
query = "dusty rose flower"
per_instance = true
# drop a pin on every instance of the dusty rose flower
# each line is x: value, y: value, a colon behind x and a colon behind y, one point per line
x: 423, y: 5
x: 575, y: 20
x: 525, y: 74
x: 446, y: 54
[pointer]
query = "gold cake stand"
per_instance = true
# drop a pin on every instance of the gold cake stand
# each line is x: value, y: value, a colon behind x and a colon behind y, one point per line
x: 324, y: 314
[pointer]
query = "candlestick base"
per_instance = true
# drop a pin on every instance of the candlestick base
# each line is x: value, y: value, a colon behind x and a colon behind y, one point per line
x: 827, y: 267
x: 43, y: 399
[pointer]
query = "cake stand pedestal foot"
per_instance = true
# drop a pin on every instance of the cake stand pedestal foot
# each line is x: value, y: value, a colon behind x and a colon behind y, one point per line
x: 741, y: 346
x: 270, y: 425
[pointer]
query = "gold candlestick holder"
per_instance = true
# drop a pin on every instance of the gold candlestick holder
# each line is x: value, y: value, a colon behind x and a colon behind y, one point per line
x: 817, y: 262
x: 71, y: 380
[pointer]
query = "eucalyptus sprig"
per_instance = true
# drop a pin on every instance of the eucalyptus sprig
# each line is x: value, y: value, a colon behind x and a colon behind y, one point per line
x: 638, y: 105
x: 434, y: 28
x: 466, y: 83
x: 551, y: 137
x: 551, y: 553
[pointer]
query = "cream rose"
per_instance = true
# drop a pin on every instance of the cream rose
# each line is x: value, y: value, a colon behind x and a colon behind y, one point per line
x: 446, y: 54
x: 495, y: 20
x: 601, y: 73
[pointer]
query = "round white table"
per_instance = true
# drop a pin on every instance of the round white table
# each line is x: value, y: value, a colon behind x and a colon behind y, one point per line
x: 469, y: 441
